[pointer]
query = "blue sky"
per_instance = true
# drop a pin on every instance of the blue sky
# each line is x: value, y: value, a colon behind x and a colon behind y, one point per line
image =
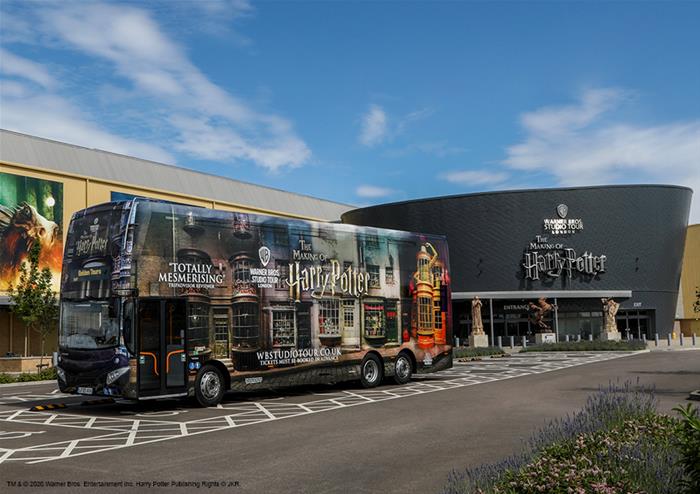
x: 365, y: 102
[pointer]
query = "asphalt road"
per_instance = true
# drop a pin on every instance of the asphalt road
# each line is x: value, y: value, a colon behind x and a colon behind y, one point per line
x: 401, y: 439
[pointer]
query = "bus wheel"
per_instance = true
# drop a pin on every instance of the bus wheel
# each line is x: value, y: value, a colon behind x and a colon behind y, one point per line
x: 372, y: 371
x: 209, y: 388
x: 403, y: 369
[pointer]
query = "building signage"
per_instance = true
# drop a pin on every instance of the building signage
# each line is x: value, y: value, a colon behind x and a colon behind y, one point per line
x: 545, y: 259
x: 552, y: 258
x: 188, y: 275
x: 516, y: 308
x: 562, y: 225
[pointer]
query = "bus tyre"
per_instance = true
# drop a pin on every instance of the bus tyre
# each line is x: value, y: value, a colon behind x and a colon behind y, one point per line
x: 371, y: 371
x: 209, y: 387
x: 403, y: 369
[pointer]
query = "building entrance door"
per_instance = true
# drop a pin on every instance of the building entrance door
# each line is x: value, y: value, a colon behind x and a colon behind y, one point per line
x: 637, y: 322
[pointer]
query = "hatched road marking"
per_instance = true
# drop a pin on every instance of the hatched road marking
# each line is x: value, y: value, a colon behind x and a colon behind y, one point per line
x: 125, y: 432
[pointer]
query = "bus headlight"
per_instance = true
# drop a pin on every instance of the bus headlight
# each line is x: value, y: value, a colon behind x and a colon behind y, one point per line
x: 61, y: 374
x: 116, y: 374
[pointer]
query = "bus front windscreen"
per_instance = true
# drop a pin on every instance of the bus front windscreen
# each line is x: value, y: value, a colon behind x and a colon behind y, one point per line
x: 88, y: 325
x: 88, y: 315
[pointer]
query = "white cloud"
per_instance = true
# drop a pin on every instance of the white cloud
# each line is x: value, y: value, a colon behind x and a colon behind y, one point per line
x: 163, y: 75
x: 441, y: 149
x: 226, y: 8
x: 579, y: 146
x: 474, y: 177
x: 53, y: 117
x: 411, y: 118
x: 554, y: 121
x: 14, y: 65
x: 372, y: 191
x: 377, y: 126
x: 201, y: 138
x: 374, y: 126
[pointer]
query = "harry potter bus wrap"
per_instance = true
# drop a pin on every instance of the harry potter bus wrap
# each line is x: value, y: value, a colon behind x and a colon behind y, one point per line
x: 277, y: 301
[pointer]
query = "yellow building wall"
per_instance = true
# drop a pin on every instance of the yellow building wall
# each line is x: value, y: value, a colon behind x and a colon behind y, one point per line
x: 690, y: 281
x: 16, y: 340
x: 99, y: 192
x: 80, y: 192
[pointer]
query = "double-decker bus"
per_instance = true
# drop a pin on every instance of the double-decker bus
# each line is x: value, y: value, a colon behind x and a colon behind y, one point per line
x: 166, y: 300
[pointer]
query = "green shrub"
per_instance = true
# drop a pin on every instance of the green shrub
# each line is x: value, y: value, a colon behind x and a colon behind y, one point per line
x: 45, y: 375
x: 26, y: 377
x: 688, y: 441
x: 466, y: 352
x: 587, y: 346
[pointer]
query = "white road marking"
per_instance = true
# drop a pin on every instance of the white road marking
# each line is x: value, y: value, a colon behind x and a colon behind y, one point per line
x: 17, y: 434
x: 265, y: 410
x: 134, y: 432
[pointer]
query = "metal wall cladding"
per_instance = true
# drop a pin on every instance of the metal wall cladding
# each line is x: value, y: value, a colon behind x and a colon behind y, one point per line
x: 639, y: 228
x: 62, y: 157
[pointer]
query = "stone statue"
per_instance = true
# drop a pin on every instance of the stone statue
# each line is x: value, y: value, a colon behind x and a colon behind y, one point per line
x: 477, y: 324
x: 538, y: 312
x: 610, y: 308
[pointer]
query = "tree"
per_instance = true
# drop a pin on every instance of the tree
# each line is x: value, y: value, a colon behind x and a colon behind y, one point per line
x: 33, y: 298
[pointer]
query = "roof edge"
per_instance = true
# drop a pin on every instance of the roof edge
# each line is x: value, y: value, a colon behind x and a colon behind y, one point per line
x: 521, y: 191
x: 177, y: 167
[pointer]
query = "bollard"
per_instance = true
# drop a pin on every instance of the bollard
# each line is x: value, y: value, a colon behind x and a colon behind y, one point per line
x: 524, y: 342
x: 668, y: 338
x: 566, y: 338
x: 590, y: 337
x: 693, y: 339
x: 656, y: 339
x: 644, y: 338
x: 456, y: 340
x: 500, y: 342
x: 681, y: 338
x: 512, y: 342
x: 578, y: 337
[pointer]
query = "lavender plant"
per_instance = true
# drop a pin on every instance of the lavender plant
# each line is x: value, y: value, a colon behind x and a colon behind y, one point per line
x: 617, y: 443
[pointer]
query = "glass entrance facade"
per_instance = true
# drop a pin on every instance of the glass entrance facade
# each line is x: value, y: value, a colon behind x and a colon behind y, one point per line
x: 576, y: 318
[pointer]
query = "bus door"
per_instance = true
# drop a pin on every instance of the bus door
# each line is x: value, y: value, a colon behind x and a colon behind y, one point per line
x: 162, y: 369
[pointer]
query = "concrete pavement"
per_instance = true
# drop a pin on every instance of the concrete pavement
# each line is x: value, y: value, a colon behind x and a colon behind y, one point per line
x: 403, y: 443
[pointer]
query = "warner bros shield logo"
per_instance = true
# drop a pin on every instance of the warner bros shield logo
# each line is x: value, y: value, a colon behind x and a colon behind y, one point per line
x: 562, y: 210
x: 264, y: 254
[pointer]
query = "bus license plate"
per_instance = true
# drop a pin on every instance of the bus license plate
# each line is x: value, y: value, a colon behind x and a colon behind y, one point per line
x: 84, y: 391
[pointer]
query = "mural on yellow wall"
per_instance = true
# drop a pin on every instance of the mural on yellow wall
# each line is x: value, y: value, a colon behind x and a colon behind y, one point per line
x: 31, y: 210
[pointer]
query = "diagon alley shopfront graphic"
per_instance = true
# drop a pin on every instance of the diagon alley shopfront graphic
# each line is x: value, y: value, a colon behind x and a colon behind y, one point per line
x: 269, y: 292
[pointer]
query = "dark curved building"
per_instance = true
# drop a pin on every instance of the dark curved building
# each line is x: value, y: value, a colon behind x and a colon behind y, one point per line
x: 573, y: 246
